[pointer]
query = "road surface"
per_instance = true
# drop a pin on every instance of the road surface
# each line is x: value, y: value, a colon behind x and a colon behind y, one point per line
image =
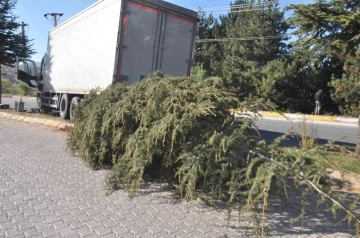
x: 342, y: 133
x: 271, y: 128
x: 29, y: 102
x: 46, y: 192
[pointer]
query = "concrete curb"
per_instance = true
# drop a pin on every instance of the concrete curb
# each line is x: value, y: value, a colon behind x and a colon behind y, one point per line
x: 309, y: 117
x: 36, y: 120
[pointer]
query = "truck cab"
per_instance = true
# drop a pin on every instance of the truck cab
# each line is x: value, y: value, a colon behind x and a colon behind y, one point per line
x: 27, y: 72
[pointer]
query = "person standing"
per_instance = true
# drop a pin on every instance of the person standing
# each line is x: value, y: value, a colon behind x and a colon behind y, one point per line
x: 318, y: 99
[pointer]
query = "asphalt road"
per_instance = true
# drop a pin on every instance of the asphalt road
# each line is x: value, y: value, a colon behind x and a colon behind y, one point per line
x: 340, y: 133
x: 29, y: 102
x: 271, y: 128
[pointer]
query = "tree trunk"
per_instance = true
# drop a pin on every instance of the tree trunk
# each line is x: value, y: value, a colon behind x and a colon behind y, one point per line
x: 357, y: 150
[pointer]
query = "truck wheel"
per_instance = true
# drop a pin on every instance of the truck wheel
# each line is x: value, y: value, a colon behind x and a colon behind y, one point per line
x: 64, y: 107
x: 74, y: 102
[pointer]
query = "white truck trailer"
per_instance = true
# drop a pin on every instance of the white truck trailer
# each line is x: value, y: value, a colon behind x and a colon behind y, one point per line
x: 111, y: 41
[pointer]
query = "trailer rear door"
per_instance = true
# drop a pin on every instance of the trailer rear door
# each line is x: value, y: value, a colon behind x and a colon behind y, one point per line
x: 139, y: 42
x: 177, y: 38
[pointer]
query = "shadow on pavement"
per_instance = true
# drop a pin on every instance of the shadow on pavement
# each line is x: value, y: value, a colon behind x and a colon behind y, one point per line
x: 281, y: 218
x: 316, y: 222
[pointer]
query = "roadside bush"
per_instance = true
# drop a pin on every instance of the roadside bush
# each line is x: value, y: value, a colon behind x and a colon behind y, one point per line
x: 6, y: 87
x: 22, y: 90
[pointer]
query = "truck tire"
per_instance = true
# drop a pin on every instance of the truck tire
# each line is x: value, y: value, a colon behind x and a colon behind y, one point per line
x: 64, y: 107
x: 74, y: 102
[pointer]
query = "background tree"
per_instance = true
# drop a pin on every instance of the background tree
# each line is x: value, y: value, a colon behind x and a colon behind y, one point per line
x: 331, y: 30
x: 209, y: 54
x: 245, y: 56
x: 12, y: 43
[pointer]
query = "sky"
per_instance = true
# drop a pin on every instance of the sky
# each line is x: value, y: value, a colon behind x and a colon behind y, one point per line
x: 32, y: 13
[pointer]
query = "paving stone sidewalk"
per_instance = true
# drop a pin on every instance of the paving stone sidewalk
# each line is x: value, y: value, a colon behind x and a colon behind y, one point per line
x: 46, y: 192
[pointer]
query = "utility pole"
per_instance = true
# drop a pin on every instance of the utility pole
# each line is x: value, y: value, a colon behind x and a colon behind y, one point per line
x: 23, y: 29
x: 23, y: 36
x: 55, y: 17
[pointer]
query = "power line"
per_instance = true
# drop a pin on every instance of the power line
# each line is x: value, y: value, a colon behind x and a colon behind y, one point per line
x: 255, y: 4
x: 248, y: 10
x: 241, y: 5
x: 247, y: 38
x: 248, y: 7
x: 241, y: 39
x: 35, y: 7
x: 39, y: 6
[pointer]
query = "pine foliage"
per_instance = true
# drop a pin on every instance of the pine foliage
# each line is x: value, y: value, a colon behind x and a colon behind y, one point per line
x: 183, y: 126
x: 210, y: 54
x: 244, y: 59
x: 12, y: 43
x: 182, y: 132
x: 330, y: 31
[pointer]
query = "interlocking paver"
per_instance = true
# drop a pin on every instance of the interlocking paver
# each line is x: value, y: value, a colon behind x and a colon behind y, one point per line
x: 148, y: 235
x: 53, y: 219
x: 109, y: 223
x: 119, y: 230
x: 129, y: 235
x: 84, y: 218
x: 6, y: 226
x: 35, y: 219
x: 76, y: 225
x: 67, y: 232
x: 13, y: 233
x: 84, y: 231
x: 181, y: 234
x: 46, y: 192
x: 42, y: 225
x: 3, y: 218
x: 24, y: 225
x: 91, y: 212
x: 33, y: 232
x: 49, y: 232
x: 101, y: 231
x: 92, y: 224
x: 154, y: 229
x: 29, y: 213
x: 163, y: 234
x: 100, y: 217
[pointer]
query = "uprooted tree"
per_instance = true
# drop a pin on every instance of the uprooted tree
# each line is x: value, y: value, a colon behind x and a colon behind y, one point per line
x: 183, y: 132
